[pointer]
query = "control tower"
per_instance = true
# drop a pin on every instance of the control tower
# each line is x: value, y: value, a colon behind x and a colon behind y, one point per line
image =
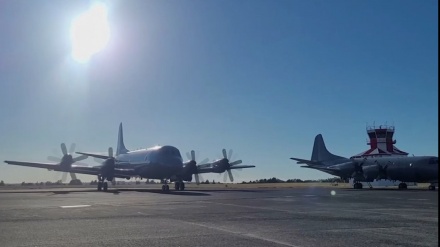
x: 381, y: 143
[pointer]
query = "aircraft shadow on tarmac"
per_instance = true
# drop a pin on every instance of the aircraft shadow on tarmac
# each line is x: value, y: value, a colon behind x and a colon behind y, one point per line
x: 157, y: 191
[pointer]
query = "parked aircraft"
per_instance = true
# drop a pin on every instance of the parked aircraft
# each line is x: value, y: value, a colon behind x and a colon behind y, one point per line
x: 159, y: 162
x: 420, y: 169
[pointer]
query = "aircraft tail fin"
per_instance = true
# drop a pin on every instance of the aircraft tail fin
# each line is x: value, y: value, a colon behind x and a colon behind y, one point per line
x: 320, y: 152
x: 121, y: 147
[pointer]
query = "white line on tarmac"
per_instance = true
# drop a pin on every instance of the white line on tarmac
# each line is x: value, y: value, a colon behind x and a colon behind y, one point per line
x: 75, y: 206
x: 250, y: 235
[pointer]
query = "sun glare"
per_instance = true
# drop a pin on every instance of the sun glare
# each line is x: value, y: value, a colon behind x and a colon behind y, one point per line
x: 90, y: 33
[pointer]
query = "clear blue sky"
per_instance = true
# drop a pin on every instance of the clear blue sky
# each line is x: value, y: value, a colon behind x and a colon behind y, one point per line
x: 260, y: 77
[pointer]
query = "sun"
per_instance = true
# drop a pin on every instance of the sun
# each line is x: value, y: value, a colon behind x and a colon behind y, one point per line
x: 90, y: 33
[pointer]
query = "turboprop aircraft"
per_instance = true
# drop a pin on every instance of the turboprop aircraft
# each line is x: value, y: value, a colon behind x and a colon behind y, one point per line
x: 159, y: 162
x: 420, y: 169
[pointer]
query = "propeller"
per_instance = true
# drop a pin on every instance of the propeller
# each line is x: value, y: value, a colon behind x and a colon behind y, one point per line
x: 67, y: 160
x: 228, y: 165
x: 108, y: 166
x: 358, y: 171
x: 382, y: 170
x: 192, y: 165
x: 110, y: 154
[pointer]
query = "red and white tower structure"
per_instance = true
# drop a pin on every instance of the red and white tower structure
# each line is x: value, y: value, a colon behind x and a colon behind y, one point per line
x: 381, y: 143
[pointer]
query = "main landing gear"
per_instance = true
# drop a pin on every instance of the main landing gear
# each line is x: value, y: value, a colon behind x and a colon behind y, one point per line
x: 431, y: 187
x: 101, y: 184
x: 403, y: 186
x: 357, y: 185
x: 179, y: 186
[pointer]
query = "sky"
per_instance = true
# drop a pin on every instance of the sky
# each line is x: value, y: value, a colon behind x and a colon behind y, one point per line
x: 260, y: 77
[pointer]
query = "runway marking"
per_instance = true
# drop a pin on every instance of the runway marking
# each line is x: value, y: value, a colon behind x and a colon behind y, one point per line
x: 309, y: 195
x: 249, y: 235
x: 75, y: 206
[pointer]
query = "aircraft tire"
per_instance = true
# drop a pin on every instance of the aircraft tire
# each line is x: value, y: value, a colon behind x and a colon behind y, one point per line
x: 182, y: 186
x: 99, y: 186
x: 177, y: 185
x: 165, y: 188
x: 357, y: 186
x: 431, y: 187
x: 403, y: 186
x: 105, y: 186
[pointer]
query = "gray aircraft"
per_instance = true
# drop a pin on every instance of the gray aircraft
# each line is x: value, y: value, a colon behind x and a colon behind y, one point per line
x: 222, y: 165
x: 420, y: 169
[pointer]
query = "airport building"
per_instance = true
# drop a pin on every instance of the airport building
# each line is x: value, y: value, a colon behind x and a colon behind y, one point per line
x: 381, y: 143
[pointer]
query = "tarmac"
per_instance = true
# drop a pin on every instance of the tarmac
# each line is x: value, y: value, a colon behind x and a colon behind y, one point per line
x: 296, y: 217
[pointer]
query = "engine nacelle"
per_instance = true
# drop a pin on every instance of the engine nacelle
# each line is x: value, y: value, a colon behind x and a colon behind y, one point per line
x: 108, y: 169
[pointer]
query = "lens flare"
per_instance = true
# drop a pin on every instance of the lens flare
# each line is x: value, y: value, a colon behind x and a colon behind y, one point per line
x: 90, y: 33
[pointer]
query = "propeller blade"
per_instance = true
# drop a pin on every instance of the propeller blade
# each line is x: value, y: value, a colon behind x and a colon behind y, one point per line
x: 188, y: 156
x: 231, y: 178
x: 110, y: 152
x: 197, y: 178
x: 235, y: 163
x: 193, y: 155
x: 79, y: 158
x: 73, y: 176
x: 241, y: 167
x: 204, y: 161
x: 224, y: 153
x: 63, y: 148
x: 64, y: 177
x: 72, y: 148
x: 230, y: 154
x: 54, y: 159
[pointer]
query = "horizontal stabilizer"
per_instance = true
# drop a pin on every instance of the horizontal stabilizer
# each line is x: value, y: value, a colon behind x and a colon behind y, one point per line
x: 308, y: 162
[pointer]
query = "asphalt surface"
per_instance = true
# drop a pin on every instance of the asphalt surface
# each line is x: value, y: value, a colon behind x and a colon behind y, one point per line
x: 284, y: 217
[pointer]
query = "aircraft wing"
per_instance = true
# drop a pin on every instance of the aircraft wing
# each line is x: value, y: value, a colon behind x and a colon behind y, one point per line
x: 95, y: 170
x: 49, y: 166
x: 89, y: 170
x: 308, y: 162
x: 324, y: 169
x: 204, y: 170
x: 241, y: 167
x: 99, y: 156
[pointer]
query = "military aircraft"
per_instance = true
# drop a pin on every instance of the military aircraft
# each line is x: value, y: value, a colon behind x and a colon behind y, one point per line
x: 159, y: 162
x: 420, y: 169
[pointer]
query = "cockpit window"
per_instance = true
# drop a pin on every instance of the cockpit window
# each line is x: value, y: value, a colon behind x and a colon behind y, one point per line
x: 171, y: 151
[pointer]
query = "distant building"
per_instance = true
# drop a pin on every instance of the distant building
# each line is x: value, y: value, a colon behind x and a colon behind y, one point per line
x: 381, y: 143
